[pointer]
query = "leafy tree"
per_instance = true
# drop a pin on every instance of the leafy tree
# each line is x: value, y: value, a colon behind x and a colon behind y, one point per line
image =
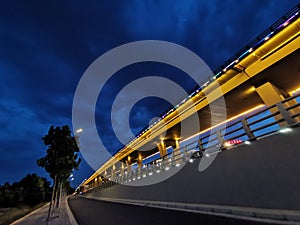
x: 30, y: 190
x: 61, y: 159
x: 34, y: 188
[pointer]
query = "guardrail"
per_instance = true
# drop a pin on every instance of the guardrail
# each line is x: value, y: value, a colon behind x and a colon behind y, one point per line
x: 257, y: 41
x: 280, y: 117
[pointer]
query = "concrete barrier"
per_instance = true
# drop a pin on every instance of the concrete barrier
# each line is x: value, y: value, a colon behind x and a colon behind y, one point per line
x: 264, y: 174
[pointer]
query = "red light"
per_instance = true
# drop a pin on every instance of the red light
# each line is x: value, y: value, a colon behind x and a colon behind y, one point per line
x: 234, y: 142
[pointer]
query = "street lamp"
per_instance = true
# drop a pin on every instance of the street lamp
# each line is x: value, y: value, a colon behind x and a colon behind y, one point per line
x: 77, y: 136
x: 79, y: 130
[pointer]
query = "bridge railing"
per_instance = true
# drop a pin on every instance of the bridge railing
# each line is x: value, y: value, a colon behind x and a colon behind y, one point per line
x: 281, y: 117
x: 269, y: 32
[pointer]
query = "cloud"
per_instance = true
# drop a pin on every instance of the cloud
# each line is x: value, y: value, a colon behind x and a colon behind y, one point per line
x: 47, y: 46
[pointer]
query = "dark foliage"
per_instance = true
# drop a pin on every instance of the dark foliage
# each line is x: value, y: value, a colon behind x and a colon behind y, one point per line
x: 61, y: 159
x: 30, y: 190
x: 62, y: 155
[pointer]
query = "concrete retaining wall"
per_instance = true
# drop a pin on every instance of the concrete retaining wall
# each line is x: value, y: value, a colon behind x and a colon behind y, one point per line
x: 265, y: 174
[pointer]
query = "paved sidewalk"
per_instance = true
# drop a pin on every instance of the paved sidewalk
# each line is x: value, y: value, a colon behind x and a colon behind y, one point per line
x: 63, y: 216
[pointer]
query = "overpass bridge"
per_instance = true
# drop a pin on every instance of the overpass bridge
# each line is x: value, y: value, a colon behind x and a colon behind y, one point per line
x: 256, y: 153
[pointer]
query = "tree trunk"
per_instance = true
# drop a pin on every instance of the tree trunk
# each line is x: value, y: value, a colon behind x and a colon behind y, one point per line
x: 52, y: 199
x: 56, y: 195
x: 59, y: 195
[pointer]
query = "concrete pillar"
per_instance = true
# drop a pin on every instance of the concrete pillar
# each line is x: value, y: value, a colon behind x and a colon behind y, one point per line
x: 128, y: 163
x: 271, y: 95
x: 113, y: 173
x: 105, y: 175
x: 96, y: 182
x: 100, y: 180
x: 162, y: 148
x: 177, y: 144
x: 122, y: 169
x: 176, y: 152
x: 140, y: 161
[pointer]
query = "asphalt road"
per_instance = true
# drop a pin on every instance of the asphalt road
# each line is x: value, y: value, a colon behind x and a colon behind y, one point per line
x: 94, y: 212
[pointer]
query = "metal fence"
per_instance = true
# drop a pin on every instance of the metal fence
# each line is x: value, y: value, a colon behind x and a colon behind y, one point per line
x: 281, y: 117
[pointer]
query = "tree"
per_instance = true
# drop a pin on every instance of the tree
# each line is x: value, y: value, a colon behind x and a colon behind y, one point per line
x: 35, y: 189
x: 61, y: 159
x: 30, y: 190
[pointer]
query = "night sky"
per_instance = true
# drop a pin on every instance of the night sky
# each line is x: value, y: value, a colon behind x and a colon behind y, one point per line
x: 46, y: 46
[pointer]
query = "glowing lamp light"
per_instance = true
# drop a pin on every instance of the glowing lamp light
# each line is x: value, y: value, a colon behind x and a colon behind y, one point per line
x: 79, y: 130
x: 167, y: 168
x: 247, y: 142
x: 177, y: 164
x: 285, y: 130
x: 191, y: 160
x: 226, y: 144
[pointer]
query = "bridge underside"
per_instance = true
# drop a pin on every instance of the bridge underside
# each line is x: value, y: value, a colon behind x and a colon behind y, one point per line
x: 284, y: 75
x: 263, y: 74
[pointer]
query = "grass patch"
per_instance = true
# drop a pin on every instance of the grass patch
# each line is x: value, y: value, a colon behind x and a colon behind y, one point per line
x: 8, y: 215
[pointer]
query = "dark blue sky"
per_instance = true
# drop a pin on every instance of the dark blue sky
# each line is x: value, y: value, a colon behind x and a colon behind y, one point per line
x: 45, y: 47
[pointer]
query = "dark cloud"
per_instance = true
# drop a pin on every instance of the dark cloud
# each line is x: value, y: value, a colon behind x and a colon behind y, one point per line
x: 45, y: 47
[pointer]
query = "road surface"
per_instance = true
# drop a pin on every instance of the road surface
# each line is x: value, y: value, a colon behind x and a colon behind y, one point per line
x: 95, y: 212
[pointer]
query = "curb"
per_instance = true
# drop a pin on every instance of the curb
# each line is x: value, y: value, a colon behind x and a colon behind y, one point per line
x: 29, y: 214
x: 71, y: 217
x: 285, y: 217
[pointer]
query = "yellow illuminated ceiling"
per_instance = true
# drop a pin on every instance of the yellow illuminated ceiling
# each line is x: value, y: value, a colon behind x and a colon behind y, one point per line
x: 276, y: 48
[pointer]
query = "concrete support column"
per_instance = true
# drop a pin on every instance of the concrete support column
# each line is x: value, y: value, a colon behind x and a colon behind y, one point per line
x: 177, y: 144
x: 128, y: 163
x: 162, y: 148
x: 100, y: 180
x: 96, y: 182
x: 105, y: 175
x: 113, y: 172
x: 176, y: 152
x: 140, y: 161
x: 122, y: 169
x: 271, y: 95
